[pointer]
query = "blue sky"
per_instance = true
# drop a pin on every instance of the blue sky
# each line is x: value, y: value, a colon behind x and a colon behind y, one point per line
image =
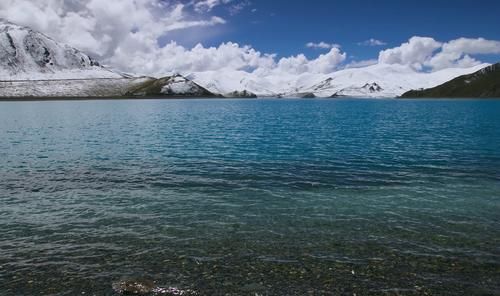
x: 158, y: 36
x: 284, y: 27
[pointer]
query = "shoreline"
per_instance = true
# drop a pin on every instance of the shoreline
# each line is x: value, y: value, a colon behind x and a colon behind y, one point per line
x: 42, y: 99
x: 129, y: 98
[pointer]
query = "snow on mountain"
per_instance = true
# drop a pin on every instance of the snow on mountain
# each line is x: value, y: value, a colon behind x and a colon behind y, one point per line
x: 29, y: 55
x: 176, y: 85
x: 376, y: 81
x: 224, y: 82
x: 34, y: 65
x: 180, y: 85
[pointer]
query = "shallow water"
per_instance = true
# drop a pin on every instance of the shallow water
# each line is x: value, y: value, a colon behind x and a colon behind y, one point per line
x: 246, y: 197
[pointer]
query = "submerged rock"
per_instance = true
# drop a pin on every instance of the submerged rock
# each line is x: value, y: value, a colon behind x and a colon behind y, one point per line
x: 143, y: 287
x: 134, y: 287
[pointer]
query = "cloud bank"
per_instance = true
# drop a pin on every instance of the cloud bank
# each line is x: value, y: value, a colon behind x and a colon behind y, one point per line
x: 130, y: 35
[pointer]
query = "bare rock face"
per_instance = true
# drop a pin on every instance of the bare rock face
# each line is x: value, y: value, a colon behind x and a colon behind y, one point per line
x: 372, y: 87
x: 308, y: 96
x: 367, y: 90
x: 240, y: 94
x: 176, y: 85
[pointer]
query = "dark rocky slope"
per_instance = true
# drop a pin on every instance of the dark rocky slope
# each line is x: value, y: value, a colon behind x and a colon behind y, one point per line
x: 485, y: 83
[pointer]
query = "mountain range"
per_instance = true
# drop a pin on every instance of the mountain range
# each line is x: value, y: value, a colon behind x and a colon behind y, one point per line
x: 34, y: 65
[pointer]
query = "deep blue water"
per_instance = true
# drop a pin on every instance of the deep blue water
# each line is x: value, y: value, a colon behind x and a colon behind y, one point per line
x: 251, y: 197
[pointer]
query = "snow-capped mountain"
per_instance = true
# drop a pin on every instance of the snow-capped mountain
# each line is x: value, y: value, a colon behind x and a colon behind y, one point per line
x: 34, y: 65
x: 29, y: 55
x: 376, y: 81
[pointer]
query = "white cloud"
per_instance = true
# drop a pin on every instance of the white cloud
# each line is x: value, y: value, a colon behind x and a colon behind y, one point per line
x: 130, y: 35
x: 126, y: 34
x: 227, y: 56
x: 325, y: 63
x: 372, y: 42
x: 208, y: 5
x: 102, y: 28
x: 322, y: 44
x: 420, y: 52
x: 176, y: 58
x: 361, y: 64
x: 416, y: 52
x: 238, y: 7
x: 456, y: 53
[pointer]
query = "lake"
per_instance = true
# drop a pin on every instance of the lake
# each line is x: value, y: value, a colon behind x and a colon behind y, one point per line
x: 251, y: 197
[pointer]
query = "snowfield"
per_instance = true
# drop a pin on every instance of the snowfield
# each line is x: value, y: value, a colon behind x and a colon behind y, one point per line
x: 376, y: 81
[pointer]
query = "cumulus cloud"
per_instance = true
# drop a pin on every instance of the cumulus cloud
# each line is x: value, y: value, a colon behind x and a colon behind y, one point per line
x: 176, y: 58
x: 372, y: 42
x: 322, y: 45
x: 325, y: 63
x: 416, y: 52
x: 227, y: 56
x: 420, y: 52
x: 103, y: 27
x: 126, y: 34
x: 456, y: 53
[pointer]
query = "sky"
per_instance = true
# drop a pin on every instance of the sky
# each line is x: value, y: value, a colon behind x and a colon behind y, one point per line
x: 318, y: 36
x: 350, y: 22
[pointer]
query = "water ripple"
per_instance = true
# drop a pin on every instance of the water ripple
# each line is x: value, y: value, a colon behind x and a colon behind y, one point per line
x: 250, y: 197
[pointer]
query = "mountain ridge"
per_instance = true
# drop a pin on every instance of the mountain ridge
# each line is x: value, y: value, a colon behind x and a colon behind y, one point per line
x: 484, y: 83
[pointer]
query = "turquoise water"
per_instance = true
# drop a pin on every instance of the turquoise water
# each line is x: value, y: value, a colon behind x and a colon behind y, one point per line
x: 251, y: 197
